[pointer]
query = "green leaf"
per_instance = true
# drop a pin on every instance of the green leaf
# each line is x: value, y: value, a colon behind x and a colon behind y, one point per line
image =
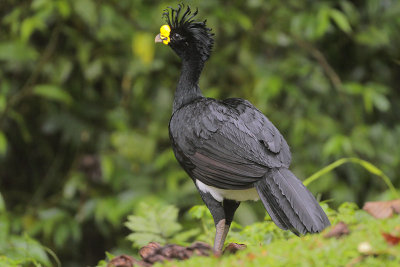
x: 198, y: 211
x: 142, y: 224
x: 368, y: 96
x: 61, y: 234
x: 107, y: 167
x: 353, y: 88
x: 52, y: 92
x: 64, y: 8
x: 156, y: 223
x: 373, y: 36
x: 3, y: 103
x: 3, y: 144
x: 323, y: 22
x: 180, y: 238
x: 341, y: 20
x: 142, y: 239
x: 134, y: 145
x: 86, y: 9
x: 109, y: 256
x: 168, y: 221
x: 22, y: 125
x: 381, y: 102
x: 16, y: 51
x: 2, y: 204
x: 243, y: 20
x: 94, y: 70
x: 29, y: 25
x: 336, y: 145
x: 40, y: 4
x: 4, y: 230
x: 28, y: 249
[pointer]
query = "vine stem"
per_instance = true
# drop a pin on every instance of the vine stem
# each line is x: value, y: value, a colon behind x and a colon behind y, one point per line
x: 365, y: 164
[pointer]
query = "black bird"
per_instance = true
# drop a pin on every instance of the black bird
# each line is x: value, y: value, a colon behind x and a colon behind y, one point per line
x: 231, y: 151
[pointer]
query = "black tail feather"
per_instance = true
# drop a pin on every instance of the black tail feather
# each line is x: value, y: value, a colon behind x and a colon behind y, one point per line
x: 289, y: 203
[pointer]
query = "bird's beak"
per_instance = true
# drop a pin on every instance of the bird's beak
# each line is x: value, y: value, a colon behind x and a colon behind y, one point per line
x: 158, y: 39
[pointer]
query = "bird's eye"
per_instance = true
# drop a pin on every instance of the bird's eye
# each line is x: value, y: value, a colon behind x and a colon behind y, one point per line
x: 178, y: 37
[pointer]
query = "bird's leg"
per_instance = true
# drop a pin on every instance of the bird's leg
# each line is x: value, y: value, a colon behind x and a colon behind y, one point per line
x: 230, y: 207
x: 219, y: 237
x: 218, y: 213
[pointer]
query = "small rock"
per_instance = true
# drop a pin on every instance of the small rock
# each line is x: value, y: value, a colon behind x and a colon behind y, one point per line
x: 365, y: 248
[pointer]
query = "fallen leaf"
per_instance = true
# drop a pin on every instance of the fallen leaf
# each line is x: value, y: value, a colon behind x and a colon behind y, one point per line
x: 382, y: 209
x: 391, y: 239
x: 175, y: 252
x: 232, y: 248
x: 126, y: 261
x: 149, y: 249
x: 200, y: 248
x: 155, y: 258
x: 121, y: 261
x: 154, y: 252
x: 340, y: 229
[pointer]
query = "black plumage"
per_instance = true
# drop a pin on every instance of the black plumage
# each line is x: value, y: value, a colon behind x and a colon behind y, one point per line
x: 227, y: 146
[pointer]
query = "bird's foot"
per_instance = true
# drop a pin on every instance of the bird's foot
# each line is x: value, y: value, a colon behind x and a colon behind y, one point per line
x: 217, y: 253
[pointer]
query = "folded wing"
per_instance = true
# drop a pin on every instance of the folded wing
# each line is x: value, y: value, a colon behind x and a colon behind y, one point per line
x: 227, y: 144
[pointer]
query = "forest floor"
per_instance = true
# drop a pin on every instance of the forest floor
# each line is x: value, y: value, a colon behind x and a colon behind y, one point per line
x: 357, y: 237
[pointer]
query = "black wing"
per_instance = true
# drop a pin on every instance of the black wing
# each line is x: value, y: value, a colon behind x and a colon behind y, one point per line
x: 228, y: 144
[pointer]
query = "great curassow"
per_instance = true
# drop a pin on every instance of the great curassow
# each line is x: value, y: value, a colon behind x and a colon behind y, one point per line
x: 231, y: 151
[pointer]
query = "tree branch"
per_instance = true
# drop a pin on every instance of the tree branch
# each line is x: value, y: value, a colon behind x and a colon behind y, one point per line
x: 330, y: 72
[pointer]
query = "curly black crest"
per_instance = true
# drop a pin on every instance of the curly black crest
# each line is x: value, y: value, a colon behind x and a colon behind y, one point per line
x: 187, y: 26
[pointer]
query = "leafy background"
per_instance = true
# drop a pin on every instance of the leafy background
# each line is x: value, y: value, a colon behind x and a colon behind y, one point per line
x: 85, y: 99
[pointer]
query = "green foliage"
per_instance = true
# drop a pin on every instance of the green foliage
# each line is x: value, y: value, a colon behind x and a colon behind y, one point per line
x: 85, y: 99
x: 3, y: 143
x: 103, y: 263
x: 313, y: 250
x: 201, y: 212
x: 52, y: 93
x: 156, y: 223
x: 17, y: 250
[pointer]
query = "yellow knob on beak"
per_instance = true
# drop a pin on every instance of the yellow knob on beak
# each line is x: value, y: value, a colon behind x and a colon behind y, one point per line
x: 163, y: 36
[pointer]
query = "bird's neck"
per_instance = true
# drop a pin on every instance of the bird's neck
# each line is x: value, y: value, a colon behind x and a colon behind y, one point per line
x: 188, y: 89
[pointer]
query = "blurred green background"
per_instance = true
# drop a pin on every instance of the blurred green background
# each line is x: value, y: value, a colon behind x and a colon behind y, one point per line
x: 86, y: 96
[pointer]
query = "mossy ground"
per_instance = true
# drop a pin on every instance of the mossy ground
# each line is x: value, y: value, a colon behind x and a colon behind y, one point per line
x: 364, y: 246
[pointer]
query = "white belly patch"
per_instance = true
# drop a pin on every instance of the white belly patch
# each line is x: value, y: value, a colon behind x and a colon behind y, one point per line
x: 221, y: 194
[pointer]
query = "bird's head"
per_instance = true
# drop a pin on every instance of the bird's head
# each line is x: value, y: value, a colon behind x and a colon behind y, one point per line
x: 189, y: 38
